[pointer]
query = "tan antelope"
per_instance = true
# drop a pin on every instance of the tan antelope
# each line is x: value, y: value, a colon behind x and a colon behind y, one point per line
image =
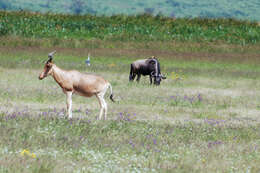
x: 75, y: 82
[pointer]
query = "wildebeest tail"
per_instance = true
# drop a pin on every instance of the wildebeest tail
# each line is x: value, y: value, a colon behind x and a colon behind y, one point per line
x: 131, y: 72
x: 111, y: 93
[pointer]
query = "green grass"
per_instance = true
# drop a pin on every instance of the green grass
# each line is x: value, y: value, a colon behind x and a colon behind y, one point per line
x: 140, y: 28
x: 121, y: 145
x: 206, y: 121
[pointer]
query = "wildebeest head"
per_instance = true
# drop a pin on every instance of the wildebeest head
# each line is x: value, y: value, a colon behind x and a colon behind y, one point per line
x: 156, y: 73
x: 158, y: 78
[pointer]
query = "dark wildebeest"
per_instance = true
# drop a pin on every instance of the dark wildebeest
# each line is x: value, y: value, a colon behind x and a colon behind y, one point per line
x: 150, y: 66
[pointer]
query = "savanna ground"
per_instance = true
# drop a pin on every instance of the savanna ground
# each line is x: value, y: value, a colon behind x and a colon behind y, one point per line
x: 205, y: 117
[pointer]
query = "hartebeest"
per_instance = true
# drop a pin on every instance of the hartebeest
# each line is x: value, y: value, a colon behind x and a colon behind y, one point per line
x: 75, y: 82
x: 150, y: 66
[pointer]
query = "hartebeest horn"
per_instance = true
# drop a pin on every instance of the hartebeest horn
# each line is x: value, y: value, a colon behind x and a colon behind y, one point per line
x: 50, y: 55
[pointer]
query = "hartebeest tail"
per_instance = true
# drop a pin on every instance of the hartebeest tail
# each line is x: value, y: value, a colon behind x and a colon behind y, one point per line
x: 111, y: 93
x: 73, y: 81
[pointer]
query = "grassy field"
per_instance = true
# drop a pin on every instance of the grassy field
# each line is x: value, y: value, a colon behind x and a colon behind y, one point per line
x: 203, y: 118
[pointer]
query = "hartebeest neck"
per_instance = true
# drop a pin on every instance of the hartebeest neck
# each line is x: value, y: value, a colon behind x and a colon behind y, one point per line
x: 58, y: 74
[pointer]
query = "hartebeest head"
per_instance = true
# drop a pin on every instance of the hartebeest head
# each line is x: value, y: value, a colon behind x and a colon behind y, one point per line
x: 47, y: 70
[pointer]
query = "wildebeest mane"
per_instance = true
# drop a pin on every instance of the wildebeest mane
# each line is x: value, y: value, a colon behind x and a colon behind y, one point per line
x: 155, y: 60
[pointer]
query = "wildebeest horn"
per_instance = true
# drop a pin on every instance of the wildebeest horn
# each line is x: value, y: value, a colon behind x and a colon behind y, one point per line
x: 152, y: 73
x: 163, y: 77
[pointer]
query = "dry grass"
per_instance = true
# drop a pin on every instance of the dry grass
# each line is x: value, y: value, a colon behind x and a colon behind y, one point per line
x: 205, y: 122
x: 221, y: 98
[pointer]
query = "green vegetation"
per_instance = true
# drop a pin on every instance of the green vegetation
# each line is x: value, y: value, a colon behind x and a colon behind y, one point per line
x: 195, y: 121
x: 128, y: 28
x: 239, y: 9
x: 52, y: 144
x: 203, y: 118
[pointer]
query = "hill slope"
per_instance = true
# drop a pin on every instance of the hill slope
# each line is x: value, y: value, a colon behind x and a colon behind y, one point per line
x: 240, y: 9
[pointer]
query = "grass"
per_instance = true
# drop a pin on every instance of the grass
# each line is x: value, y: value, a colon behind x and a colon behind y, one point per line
x: 140, y: 28
x: 206, y: 120
x: 122, y: 145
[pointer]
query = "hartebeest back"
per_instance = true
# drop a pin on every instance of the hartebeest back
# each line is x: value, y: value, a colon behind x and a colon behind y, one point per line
x: 75, y: 82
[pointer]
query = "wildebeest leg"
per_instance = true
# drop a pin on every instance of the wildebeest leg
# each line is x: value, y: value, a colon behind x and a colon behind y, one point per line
x: 138, y: 77
x: 132, y: 77
x: 69, y: 103
x: 151, y: 79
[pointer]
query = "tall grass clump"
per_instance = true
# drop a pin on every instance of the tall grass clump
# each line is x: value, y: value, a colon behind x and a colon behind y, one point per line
x: 128, y: 28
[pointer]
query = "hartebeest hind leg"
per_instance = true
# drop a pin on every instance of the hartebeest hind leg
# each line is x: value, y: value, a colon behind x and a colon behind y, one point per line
x: 102, y: 103
x: 69, y: 103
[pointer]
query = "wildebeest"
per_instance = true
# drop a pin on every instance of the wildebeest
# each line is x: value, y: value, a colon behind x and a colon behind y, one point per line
x: 73, y: 81
x: 150, y: 66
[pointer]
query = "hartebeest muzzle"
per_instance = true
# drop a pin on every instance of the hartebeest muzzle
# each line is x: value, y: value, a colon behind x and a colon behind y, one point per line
x: 41, y: 76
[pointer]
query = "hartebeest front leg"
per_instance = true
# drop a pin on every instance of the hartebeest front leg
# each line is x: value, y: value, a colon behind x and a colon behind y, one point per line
x: 69, y: 103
